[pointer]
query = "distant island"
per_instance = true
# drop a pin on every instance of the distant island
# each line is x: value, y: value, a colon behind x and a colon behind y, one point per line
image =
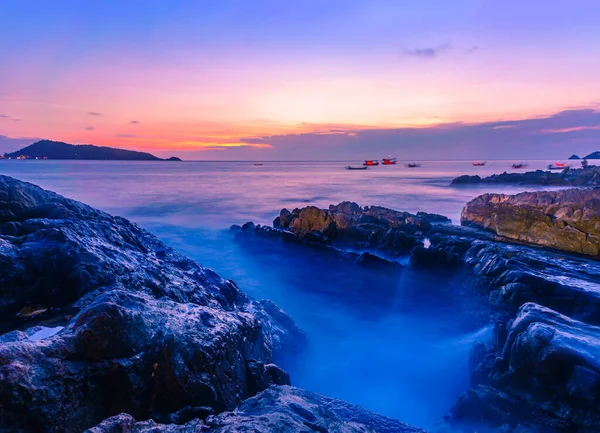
x: 47, y: 149
x: 593, y: 155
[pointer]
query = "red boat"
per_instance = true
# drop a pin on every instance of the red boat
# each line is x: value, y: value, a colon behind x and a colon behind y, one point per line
x: 371, y: 162
x: 478, y: 163
x: 389, y: 161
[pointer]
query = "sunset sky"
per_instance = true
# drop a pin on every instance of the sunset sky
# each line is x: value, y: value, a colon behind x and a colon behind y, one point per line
x: 308, y: 79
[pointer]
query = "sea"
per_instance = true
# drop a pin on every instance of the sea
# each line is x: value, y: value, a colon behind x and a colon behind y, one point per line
x: 394, y: 344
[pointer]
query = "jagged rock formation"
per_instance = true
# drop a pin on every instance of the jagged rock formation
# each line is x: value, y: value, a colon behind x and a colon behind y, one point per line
x: 543, y: 374
x: 589, y: 176
x: 278, y: 409
x: 567, y: 220
x: 347, y: 225
x: 532, y: 375
x: 146, y: 330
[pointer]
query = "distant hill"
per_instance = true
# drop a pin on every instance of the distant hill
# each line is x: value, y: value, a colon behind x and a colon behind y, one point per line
x: 593, y: 155
x: 47, y: 149
x: 574, y: 157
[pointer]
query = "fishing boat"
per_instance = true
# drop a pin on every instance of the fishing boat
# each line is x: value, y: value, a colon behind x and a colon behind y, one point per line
x: 519, y: 165
x: 478, y: 163
x: 558, y: 166
x: 390, y: 160
x: 258, y: 165
x: 371, y: 162
x: 349, y: 167
x: 413, y: 165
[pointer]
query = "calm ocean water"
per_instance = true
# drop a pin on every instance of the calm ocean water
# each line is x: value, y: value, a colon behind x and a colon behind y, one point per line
x: 393, y: 344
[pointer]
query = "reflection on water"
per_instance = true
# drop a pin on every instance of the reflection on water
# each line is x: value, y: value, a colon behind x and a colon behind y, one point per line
x: 392, y: 343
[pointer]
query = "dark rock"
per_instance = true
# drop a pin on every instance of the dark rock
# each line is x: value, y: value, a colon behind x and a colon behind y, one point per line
x: 261, y: 376
x: 548, y: 375
x: 153, y: 332
x: 567, y: 220
x: 188, y: 413
x: 466, y: 179
x: 589, y: 176
x: 278, y: 409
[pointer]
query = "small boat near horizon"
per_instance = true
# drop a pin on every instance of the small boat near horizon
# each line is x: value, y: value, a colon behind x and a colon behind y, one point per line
x: 519, y: 165
x: 390, y: 160
x: 371, y: 163
x: 413, y: 164
x: 349, y: 167
x: 558, y: 166
x: 478, y: 163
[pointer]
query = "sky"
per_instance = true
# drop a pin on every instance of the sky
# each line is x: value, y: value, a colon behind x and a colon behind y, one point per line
x: 305, y: 80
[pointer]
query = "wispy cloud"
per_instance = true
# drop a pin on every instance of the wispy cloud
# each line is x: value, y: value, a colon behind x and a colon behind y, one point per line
x: 94, y: 113
x: 428, y: 52
x: 125, y: 135
x: 472, y: 49
x: 14, y: 119
x: 551, y: 136
x: 89, y: 128
x: 134, y: 122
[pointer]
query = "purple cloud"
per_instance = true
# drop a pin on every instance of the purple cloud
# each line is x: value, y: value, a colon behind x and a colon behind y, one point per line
x: 428, y: 53
x: 134, y: 122
x: 555, y: 136
x: 89, y: 128
x: 94, y: 113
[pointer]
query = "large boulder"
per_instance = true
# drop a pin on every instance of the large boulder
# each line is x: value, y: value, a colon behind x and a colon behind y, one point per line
x: 349, y: 225
x: 145, y: 330
x: 546, y: 375
x: 278, y: 409
x: 567, y: 220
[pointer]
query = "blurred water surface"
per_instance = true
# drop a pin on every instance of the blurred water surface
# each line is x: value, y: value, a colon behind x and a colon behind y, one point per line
x: 395, y: 344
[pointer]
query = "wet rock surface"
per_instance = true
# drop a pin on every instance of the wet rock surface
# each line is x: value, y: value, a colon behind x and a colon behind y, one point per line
x: 589, y: 176
x: 140, y: 338
x: 369, y: 236
x: 544, y: 377
x: 278, y: 409
x: 146, y: 330
x: 567, y: 220
x: 539, y: 371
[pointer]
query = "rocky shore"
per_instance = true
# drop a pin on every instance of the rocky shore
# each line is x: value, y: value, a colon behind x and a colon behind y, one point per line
x: 589, y: 176
x: 141, y: 330
x: 105, y: 328
x: 539, y: 372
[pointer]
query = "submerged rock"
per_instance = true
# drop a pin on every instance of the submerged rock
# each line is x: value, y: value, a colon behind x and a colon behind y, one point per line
x: 278, y: 409
x: 146, y: 330
x: 567, y: 220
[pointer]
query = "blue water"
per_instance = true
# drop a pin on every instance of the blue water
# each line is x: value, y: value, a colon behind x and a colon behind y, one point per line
x: 396, y: 344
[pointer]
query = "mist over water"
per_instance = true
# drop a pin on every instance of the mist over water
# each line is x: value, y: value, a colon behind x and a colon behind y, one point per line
x: 394, y: 343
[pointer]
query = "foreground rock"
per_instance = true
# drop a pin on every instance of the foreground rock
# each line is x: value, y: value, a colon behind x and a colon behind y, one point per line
x: 589, y: 176
x: 544, y: 375
x: 146, y: 330
x: 278, y: 409
x: 567, y: 220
